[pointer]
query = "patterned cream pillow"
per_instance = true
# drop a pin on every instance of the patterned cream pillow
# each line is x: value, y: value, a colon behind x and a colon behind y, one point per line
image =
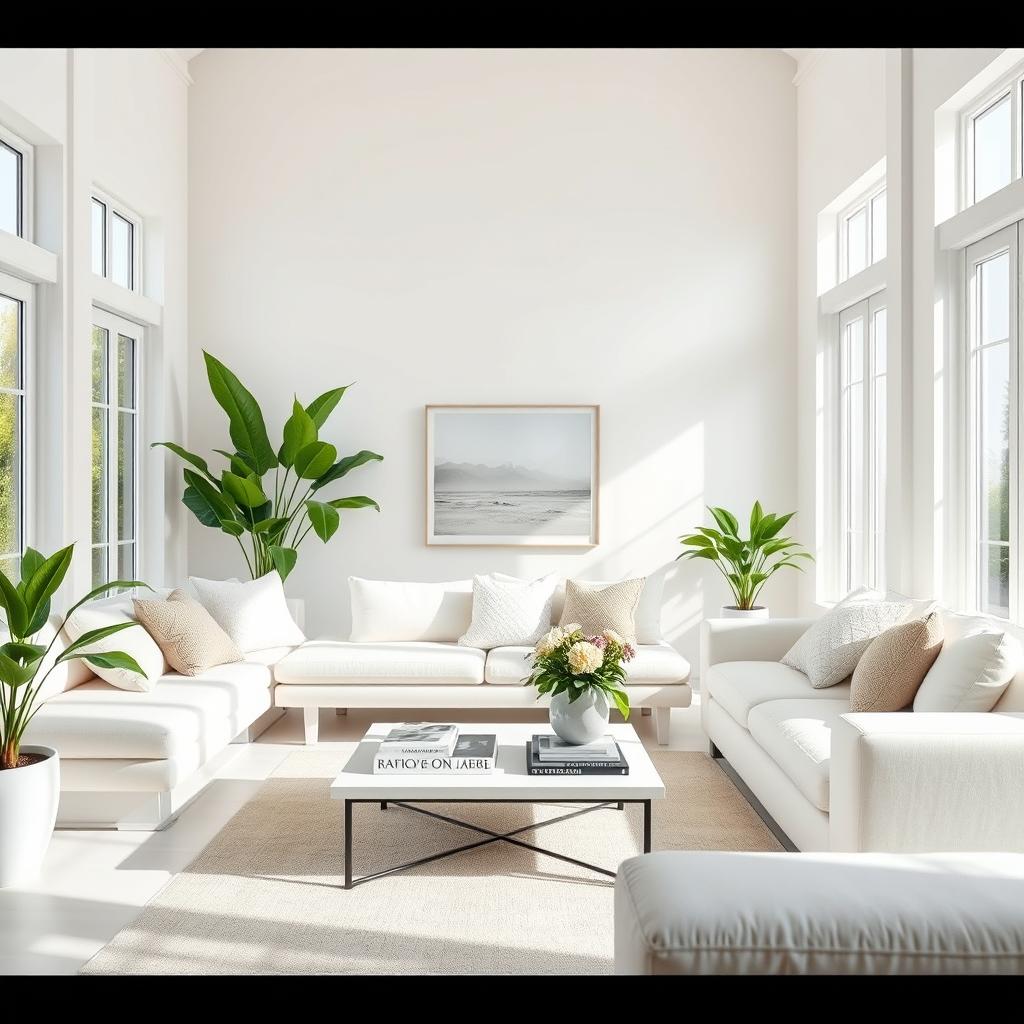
x: 187, y: 633
x: 891, y: 670
x: 597, y: 608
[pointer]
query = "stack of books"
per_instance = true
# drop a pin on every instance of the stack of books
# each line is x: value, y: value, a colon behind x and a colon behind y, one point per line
x: 429, y: 748
x: 549, y: 755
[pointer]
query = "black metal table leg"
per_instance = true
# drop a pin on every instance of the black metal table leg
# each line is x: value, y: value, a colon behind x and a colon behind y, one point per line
x: 348, y: 844
x: 647, y: 826
x: 383, y: 805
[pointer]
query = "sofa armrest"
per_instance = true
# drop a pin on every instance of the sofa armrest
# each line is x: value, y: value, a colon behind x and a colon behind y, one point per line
x: 748, y: 639
x: 910, y: 782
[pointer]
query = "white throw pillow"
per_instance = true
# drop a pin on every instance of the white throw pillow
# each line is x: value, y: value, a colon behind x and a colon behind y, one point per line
x: 975, y: 666
x: 135, y: 641
x: 254, y: 613
x: 386, y: 610
x: 829, y: 651
x: 509, y: 613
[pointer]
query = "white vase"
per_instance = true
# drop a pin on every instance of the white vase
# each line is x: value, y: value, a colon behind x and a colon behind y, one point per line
x: 730, y: 611
x: 582, y: 721
x: 28, y: 812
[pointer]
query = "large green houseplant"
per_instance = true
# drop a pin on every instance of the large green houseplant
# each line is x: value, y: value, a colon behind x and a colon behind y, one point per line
x: 268, y: 499
x: 747, y: 563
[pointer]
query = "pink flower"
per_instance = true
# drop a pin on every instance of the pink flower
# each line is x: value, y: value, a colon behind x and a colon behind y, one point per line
x: 598, y: 641
x: 628, y: 652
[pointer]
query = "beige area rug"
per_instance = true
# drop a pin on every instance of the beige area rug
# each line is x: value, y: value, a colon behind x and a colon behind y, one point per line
x: 265, y: 897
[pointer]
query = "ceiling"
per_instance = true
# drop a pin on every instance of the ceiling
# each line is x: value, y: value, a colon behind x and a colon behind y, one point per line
x: 189, y: 54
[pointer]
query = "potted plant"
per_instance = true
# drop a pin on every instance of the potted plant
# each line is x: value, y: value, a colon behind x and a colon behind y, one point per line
x: 746, y: 563
x: 581, y: 673
x: 269, y: 516
x: 30, y: 775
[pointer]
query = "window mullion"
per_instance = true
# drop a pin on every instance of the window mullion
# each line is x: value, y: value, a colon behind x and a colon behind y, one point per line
x: 112, y: 443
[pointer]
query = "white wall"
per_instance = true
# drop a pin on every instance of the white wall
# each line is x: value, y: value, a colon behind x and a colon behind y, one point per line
x: 527, y: 226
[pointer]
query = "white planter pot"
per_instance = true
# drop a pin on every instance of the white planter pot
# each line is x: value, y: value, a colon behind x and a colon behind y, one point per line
x: 732, y: 612
x: 28, y: 812
x: 582, y: 721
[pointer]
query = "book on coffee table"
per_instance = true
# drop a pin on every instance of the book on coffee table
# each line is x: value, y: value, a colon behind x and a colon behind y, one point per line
x: 535, y: 766
x: 421, y: 738
x: 473, y: 754
x: 552, y: 748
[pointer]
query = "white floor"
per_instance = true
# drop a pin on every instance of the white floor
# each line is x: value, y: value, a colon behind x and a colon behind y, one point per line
x: 94, y: 883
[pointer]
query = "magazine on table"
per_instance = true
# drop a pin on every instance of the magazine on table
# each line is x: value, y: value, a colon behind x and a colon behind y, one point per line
x: 552, y: 748
x: 473, y: 754
x: 424, y: 738
x: 535, y: 766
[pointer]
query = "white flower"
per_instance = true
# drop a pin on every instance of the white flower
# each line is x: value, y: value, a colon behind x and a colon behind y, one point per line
x: 613, y: 638
x: 584, y: 657
x: 573, y: 627
x: 549, y: 641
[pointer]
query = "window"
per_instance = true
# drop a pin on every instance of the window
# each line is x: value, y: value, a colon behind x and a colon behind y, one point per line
x: 15, y: 184
x: 861, y: 233
x: 15, y: 328
x: 991, y: 150
x: 862, y: 440
x: 116, y: 241
x: 116, y: 358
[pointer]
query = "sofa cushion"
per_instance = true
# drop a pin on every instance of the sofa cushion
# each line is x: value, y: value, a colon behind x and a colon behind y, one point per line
x: 340, y: 661
x: 97, y: 720
x: 254, y: 613
x: 739, y: 686
x: 659, y: 664
x: 797, y: 735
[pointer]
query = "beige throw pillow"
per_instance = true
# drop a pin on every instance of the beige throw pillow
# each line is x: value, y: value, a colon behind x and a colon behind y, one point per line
x: 187, y: 633
x: 597, y: 608
x: 891, y: 670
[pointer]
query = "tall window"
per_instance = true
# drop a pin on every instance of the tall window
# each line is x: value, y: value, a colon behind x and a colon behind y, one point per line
x: 862, y: 237
x: 991, y: 134
x: 15, y: 184
x: 15, y: 315
x: 862, y: 440
x: 116, y: 359
x: 993, y: 295
x: 116, y: 242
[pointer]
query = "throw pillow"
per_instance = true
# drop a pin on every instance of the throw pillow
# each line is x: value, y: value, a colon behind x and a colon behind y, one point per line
x: 597, y: 608
x: 254, y: 613
x: 890, y: 671
x: 975, y: 666
x: 384, y: 610
x: 509, y: 613
x: 187, y: 633
x: 136, y: 642
x: 829, y: 651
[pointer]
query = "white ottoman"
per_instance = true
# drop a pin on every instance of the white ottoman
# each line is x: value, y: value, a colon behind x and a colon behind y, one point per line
x: 820, y: 913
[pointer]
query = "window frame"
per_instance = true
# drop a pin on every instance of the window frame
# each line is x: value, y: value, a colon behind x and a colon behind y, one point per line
x: 112, y: 208
x: 1012, y: 85
x: 26, y: 182
x: 843, y: 218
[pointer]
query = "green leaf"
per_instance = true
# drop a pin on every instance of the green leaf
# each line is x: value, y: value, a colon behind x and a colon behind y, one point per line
x: 14, y: 674
x: 727, y: 522
x: 213, y: 494
x: 104, y: 588
x: 320, y: 408
x: 14, y: 605
x: 93, y: 636
x: 697, y: 540
x: 358, y: 501
x: 272, y: 527
x: 232, y: 527
x: 237, y: 464
x: 115, y: 659
x: 621, y: 700
x: 190, y: 457
x: 30, y: 561
x: 345, y: 466
x: 324, y: 518
x: 776, y: 526
x: 243, y: 490
x: 315, y: 460
x: 299, y: 431
x: 245, y: 418
x: 200, y: 507
x: 23, y: 652
x: 755, y: 517
x: 284, y: 559
x: 45, y: 581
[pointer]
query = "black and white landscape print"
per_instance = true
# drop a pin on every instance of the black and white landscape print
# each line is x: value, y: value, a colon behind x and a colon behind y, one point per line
x: 511, y: 474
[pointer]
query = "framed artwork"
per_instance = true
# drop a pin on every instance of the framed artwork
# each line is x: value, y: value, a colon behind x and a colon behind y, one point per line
x: 518, y: 475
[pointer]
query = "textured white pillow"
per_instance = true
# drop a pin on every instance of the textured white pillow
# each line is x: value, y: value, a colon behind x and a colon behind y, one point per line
x: 829, y: 651
x: 508, y: 612
x: 135, y: 641
x: 254, y: 613
x: 385, y: 610
x: 976, y: 664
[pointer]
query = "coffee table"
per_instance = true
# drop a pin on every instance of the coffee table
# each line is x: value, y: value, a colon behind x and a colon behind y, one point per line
x: 509, y: 783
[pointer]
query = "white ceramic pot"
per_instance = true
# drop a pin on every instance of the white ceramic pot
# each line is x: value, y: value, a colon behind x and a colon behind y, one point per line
x: 28, y: 812
x: 582, y: 721
x: 730, y: 611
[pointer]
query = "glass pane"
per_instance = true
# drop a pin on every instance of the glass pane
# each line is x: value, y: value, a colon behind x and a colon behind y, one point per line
x: 994, y: 288
x: 878, y: 475
x: 10, y: 473
x: 879, y: 322
x: 99, y: 238
x: 99, y: 565
x: 126, y: 561
x: 121, y: 240
x: 992, y: 160
x: 10, y: 189
x: 99, y: 475
x: 994, y: 461
x: 10, y: 349
x: 125, y: 475
x: 878, y: 227
x: 995, y: 587
x: 125, y: 371
x: 853, y: 356
x: 11, y: 568
x: 855, y: 560
x: 99, y: 364
x: 857, y: 242
x: 855, y: 459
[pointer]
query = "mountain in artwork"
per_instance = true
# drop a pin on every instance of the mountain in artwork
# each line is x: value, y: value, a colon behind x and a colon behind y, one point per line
x: 471, y: 476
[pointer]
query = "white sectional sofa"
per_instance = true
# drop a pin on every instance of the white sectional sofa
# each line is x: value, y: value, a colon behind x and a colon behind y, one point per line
x: 834, y: 780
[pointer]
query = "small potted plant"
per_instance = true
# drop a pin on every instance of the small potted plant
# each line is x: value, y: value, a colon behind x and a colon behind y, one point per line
x: 581, y: 673
x: 746, y: 563
x: 30, y: 775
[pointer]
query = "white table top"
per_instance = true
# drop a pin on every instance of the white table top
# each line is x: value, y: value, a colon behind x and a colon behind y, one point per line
x: 508, y: 781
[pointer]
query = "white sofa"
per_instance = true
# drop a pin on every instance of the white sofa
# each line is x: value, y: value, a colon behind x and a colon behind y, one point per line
x: 835, y: 780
